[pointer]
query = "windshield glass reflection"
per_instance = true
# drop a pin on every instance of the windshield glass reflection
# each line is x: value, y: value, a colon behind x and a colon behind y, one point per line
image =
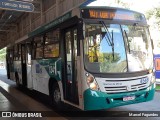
x: 110, y: 49
x: 104, y: 49
x: 139, y: 49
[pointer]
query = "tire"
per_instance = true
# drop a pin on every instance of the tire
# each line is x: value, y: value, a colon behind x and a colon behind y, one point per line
x: 56, y: 97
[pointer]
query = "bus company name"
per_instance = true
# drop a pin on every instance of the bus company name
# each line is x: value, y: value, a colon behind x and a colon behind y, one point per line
x: 112, y: 84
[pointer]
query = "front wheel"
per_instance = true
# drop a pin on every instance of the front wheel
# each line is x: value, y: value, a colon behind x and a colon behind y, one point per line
x: 56, y: 97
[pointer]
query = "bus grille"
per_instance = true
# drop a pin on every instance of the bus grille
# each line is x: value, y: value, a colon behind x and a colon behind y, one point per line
x: 126, y: 88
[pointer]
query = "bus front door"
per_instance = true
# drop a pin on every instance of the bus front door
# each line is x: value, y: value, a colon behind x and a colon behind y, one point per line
x: 70, y: 82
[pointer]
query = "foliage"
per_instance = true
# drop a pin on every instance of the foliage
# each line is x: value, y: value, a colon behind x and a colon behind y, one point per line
x: 3, y: 54
x: 158, y: 87
x: 154, y: 13
x: 124, y: 4
x: 111, y: 64
x: 109, y: 57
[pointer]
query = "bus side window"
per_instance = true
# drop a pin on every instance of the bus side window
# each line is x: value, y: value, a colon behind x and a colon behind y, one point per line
x: 39, y: 52
x: 33, y: 48
x: 38, y: 46
x: 157, y: 63
x: 51, y: 48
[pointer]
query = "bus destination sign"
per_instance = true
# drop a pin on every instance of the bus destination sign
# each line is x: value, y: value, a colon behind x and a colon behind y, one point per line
x: 16, y: 5
x: 111, y: 14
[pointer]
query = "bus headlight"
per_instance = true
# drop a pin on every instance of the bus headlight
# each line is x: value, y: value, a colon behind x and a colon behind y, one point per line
x: 93, y: 86
x: 90, y: 79
x: 92, y: 82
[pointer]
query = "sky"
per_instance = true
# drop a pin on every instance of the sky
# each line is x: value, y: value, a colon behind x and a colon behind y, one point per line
x: 143, y: 5
x: 137, y: 5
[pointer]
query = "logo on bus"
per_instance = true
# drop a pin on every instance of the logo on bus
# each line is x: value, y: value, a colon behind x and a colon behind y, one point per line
x: 128, y: 88
x: 144, y: 80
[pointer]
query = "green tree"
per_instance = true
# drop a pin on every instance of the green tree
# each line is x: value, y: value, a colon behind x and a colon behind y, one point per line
x: 124, y: 4
x: 3, y: 54
x: 111, y: 64
x: 109, y: 57
x: 154, y: 13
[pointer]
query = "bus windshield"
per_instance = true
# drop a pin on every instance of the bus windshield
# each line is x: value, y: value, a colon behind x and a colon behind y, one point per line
x: 113, y: 48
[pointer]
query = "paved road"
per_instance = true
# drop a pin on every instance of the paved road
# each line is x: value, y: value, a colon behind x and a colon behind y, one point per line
x: 26, y: 100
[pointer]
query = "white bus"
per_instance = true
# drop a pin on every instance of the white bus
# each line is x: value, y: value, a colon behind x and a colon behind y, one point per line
x: 98, y: 58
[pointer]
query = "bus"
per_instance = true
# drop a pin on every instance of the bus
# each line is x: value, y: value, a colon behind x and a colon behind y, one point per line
x: 92, y: 58
x: 157, y: 67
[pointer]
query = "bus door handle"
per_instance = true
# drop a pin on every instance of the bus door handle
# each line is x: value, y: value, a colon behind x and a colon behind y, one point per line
x: 56, y: 63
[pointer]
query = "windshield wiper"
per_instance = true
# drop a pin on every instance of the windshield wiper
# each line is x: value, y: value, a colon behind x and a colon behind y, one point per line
x: 109, y: 38
x: 108, y: 34
x: 112, y: 46
x: 127, y: 41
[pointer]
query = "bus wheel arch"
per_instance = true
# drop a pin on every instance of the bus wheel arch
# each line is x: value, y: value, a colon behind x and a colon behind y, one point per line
x: 55, y: 94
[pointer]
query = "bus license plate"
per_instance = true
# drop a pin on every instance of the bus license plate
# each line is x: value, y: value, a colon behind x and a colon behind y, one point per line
x: 128, y: 98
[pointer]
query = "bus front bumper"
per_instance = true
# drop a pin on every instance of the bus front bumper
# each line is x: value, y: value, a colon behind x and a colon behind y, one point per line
x: 96, y: 100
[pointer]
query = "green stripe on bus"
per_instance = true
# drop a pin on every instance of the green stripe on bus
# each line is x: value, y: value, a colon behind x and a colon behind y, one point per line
x: 49, y: 65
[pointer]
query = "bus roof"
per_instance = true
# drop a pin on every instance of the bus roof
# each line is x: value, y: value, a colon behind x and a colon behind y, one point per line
x: 103, y: 4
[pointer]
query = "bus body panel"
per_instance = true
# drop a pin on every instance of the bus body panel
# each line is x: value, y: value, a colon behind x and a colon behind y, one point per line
x: 40, y: 77
x: 42, y: 71
x: 29, y: 77
x: 96, y: 100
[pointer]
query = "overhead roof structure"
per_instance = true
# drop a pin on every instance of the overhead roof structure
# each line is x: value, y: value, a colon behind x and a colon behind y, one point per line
x: 10, y: 18
x: 15, y: 26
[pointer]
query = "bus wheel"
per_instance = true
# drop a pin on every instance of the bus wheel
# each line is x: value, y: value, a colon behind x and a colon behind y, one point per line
x: 56, y: 97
